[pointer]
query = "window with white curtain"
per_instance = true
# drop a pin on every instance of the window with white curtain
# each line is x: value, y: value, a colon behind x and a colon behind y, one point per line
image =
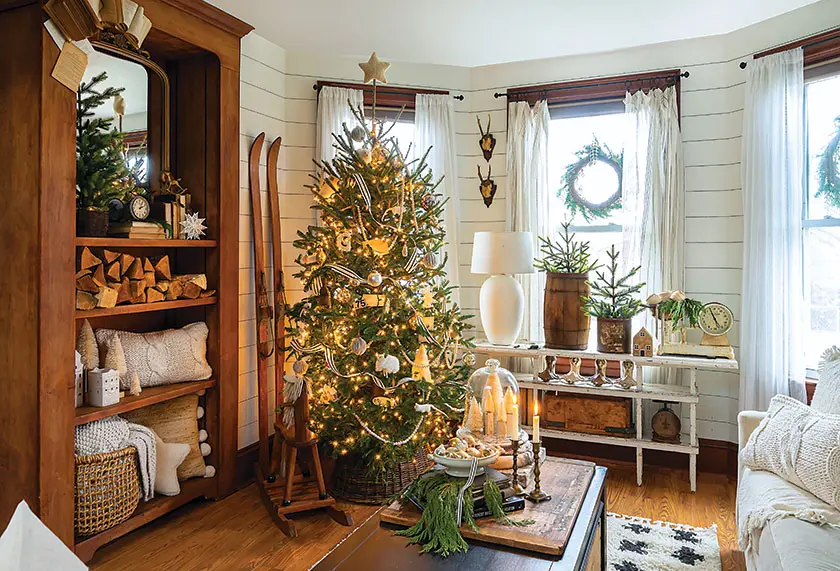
x: 400, y: 126
x: 572, y: 128
x: 821, y: 213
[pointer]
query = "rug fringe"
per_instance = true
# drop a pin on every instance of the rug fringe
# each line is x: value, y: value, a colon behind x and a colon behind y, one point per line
x: 672, y: 525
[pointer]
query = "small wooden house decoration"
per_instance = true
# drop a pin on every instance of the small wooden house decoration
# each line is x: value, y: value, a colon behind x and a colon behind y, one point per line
x: 643, y: 343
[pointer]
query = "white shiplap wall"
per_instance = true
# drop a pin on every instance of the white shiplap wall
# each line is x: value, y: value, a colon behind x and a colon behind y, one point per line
x: 277, y: 97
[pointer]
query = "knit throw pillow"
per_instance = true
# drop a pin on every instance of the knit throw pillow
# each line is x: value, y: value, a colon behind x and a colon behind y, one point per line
x: 827, y: 394
x: 175, y: 422
x: 800, y: 445
x: 162, y: 357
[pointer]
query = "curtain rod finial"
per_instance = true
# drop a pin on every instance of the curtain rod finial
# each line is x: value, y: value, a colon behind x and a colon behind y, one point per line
x: 743, y: 65
x: 685, y: 74
x: 459, y: 97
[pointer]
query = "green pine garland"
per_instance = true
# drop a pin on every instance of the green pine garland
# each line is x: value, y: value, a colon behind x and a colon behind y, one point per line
x: 437, y: 530
x: 828, y: 169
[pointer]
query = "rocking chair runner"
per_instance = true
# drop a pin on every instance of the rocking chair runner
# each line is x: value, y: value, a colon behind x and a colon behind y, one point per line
x: 294, y: 493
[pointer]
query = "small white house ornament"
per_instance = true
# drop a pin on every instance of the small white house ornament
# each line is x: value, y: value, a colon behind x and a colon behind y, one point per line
x: 103, y: 387
x: 192, y: 228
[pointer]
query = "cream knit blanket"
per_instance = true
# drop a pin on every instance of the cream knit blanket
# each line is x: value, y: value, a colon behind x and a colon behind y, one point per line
x: 114, y: 433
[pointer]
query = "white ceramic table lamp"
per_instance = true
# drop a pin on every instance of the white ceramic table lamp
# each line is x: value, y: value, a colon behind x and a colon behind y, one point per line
x: 502, y: 302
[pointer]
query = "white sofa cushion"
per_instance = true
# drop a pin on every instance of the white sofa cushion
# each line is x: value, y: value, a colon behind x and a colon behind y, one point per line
x: 791, y: 544
x: 799, y: 444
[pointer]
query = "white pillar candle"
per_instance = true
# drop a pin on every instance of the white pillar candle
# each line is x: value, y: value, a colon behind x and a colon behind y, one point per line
x: 536, y: 423
x: 513, y: 420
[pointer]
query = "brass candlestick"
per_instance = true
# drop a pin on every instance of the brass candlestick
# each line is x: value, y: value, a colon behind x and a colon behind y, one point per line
x: 517, y: 489
x: 537, y: 495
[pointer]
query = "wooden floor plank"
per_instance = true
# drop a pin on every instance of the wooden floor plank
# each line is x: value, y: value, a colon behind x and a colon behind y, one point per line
x: 237, y: 534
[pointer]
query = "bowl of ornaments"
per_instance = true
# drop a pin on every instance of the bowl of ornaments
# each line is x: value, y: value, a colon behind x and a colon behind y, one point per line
x: 458, y: 455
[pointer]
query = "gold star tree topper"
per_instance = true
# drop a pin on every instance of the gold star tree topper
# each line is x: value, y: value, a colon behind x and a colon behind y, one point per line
x: 375, y: 69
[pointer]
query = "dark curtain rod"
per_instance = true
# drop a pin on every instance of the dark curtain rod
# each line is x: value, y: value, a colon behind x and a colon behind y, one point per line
x: 317, y: 87
x: 743, y: 64
x: 626, y: 82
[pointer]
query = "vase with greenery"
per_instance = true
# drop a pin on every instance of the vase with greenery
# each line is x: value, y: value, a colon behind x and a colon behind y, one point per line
x: 680, y: 312
x: 614, y: 302
x: 567, y: 263
x: 101, y: 171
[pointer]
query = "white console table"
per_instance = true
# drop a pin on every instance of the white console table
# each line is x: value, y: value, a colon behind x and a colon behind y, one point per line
x: 670, y: 393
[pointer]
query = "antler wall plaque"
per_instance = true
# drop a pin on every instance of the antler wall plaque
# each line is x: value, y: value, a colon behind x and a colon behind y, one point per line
x: 487, y: 186
x: 487, y: 141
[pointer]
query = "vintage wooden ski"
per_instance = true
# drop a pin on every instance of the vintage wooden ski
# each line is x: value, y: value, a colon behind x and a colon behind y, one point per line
x: 279, y: 284
x: 265, y: 342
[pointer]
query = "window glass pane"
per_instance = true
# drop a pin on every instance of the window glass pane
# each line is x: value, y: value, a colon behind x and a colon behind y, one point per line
x: 567, y: 136
x: 822, y: 114
x: 402, y: 131
x: 822, y: 292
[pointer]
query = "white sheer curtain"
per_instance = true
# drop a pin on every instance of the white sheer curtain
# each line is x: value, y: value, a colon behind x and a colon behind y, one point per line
x: 772, y: 173
x: 333, y: 111
x: 527, y: 197
x: 434, y: 126
x: 652, y: 199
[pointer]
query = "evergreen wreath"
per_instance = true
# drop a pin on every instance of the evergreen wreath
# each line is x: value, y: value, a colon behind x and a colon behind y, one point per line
x: 569, y: 192
x: 828, y: 169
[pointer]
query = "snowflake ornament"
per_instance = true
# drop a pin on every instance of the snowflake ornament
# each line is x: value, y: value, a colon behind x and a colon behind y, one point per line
x: 192, y: 228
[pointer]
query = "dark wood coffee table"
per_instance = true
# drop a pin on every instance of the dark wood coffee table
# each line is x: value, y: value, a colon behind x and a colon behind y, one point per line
x: 373, y: 546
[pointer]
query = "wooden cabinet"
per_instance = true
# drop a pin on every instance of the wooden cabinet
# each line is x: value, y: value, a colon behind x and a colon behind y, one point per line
x: 590, y: 414
x: 198, y: 45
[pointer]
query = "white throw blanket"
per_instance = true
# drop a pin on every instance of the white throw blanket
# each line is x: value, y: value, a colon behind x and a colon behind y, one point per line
x: 114, y: 433
x: 767, y: 497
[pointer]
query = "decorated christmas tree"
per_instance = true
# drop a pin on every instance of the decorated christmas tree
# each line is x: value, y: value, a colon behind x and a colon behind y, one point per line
x: 378, y: 332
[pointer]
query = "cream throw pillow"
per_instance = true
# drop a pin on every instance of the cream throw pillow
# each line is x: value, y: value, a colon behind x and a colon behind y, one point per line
x: 162, y: 357
x: 800, y: 445
x: 168, y: 457
x: 827, y: 394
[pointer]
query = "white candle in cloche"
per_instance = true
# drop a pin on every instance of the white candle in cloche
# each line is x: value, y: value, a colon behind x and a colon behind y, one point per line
x: 489, y: 405
x: 513, y: 419
x: 536, y: 423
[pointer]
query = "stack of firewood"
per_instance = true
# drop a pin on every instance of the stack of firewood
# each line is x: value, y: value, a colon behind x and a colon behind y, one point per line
x: 115, y: 278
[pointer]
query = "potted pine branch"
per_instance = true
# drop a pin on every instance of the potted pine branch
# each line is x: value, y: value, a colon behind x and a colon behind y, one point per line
x: 567, y: 265
x: 614, y: 302
x: 101, y: 171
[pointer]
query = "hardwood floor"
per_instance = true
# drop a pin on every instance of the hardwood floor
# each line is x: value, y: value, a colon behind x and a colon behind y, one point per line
x: 237, y: 534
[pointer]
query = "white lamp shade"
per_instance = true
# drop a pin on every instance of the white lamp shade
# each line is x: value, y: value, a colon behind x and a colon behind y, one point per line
x: 499, y: 253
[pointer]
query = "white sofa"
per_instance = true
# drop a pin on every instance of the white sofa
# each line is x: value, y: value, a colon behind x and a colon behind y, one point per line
x: 787, y: 543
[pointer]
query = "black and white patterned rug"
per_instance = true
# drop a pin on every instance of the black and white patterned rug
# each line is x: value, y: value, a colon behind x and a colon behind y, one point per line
x: 638, y: 544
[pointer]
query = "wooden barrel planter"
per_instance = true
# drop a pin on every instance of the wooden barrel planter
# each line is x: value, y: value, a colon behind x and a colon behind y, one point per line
x: 566, y: 325
x: 614, y: 335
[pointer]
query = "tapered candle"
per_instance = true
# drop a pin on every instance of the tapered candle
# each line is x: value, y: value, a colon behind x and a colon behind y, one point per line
x: 536, y: 422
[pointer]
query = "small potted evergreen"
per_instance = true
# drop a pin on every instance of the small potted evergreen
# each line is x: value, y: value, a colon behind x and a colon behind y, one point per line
x: 101, y: 171
x: 567, y: 265
x: 614, y: 303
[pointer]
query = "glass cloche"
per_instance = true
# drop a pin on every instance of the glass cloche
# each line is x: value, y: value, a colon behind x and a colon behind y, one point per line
x: 492, y: 407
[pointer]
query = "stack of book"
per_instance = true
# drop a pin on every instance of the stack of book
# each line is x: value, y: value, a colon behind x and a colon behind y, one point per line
x: 173, y: 211
x: 77, y: 19
x: 137, y: 230
x: 510, y: 501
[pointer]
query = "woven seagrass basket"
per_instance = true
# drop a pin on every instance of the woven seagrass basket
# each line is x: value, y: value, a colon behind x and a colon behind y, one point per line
x: 107, y: 490
x: 351, y: 481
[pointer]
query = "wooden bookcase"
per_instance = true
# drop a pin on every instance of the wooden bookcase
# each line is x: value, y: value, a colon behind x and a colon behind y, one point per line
x: 199, y: 47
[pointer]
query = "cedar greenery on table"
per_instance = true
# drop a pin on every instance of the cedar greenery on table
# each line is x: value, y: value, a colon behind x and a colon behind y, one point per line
x: 566, y: 256
x: 613, y: 297
x: 681, y: 312
x: 437, y: 530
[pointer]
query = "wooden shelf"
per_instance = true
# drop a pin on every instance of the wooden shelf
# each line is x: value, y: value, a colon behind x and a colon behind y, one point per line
x: 144, y: 307
x: 141, y: 243
x: 648, y: 391
x: 646, y: 442
x: 146, y: 512
x: 149, y: 396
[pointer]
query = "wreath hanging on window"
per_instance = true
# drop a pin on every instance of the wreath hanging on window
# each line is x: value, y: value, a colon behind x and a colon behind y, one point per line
x: 828, y: 169
x: 570, y: 192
